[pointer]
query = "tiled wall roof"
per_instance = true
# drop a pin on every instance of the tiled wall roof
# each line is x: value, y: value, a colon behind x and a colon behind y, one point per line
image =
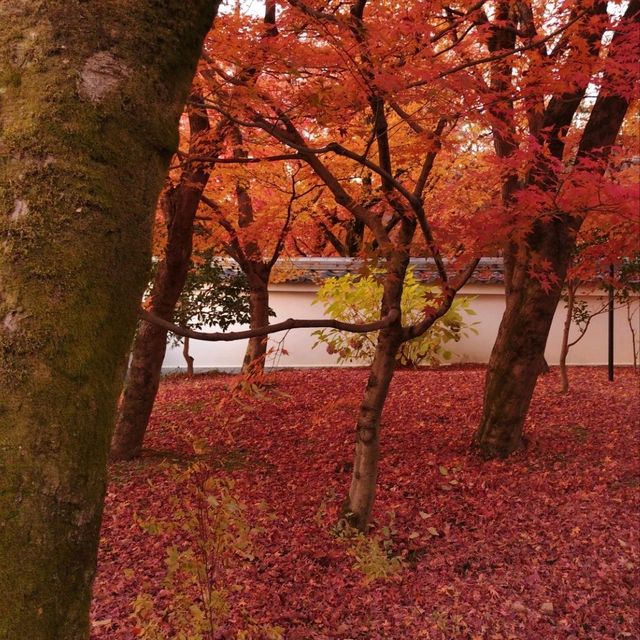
x: 303, y: 270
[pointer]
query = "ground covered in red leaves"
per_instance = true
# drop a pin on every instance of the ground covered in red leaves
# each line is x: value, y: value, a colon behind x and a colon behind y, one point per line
x: 543, y: 545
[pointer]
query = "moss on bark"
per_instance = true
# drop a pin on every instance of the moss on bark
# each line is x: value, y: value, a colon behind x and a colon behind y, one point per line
x: 90, y: 95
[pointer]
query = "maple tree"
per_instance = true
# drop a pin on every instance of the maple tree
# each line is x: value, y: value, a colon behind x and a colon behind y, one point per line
x: 307, y: 120
x: 179, y: 204
x: 252, y: 214
x: 334, y: 73
x: 392, y: 122
x: 90, y: 96
x: 597, y: 266
x: 552, y: 161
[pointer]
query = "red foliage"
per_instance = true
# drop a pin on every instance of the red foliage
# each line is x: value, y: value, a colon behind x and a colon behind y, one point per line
x: 543, y: 545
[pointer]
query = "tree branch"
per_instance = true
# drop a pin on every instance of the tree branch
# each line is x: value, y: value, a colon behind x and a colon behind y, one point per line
x: 499, y: 56
x: 286, y: 325
x: 449, y: 294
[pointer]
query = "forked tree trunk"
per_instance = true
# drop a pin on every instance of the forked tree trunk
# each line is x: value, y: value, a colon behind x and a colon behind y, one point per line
x: 187, y: 356
x: 359, y: 502
x: 180, y: 204
x: 519, y: 349
x: 90, y: 97
x: 254, y: 357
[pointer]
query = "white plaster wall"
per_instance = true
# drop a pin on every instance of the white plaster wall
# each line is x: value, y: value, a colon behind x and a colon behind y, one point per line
x: 295, y: 301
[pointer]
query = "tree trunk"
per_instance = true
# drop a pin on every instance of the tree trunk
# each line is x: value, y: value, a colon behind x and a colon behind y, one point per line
x: 564, y: 349
x: 359, y: 503
x: 254, y: 357
x: 632, y: 330
x: 180, y: 204
x: 187, y: 356
x: 518, y: 354
x: 516, y: 358
x: 90, y: 97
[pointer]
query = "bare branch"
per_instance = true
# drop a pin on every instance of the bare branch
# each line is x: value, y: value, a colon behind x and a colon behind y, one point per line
x: 286, y: 325
x: 430, y: 158
x: 500, y: 56
x: 251, y: 160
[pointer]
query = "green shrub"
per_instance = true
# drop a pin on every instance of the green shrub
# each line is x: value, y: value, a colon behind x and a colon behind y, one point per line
x: 212, y: 535
x: 375, y: 555
x: 356, y: 298
x: 211, y: 296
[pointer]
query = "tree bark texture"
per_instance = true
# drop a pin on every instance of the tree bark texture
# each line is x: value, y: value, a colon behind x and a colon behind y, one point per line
x: 90, y: 97
x: 258, y: 277
x: 359, y: 502
x: 517, y: 355
x: 180, y: 204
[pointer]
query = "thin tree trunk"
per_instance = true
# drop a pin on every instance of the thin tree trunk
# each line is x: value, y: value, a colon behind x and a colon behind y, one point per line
x: 359, y: 503
x: 632, y: 329
x: 564, y: 349
x: 90, y: 98
x: 254, y: 357
x: 180, y: 205
x: 187, y: 356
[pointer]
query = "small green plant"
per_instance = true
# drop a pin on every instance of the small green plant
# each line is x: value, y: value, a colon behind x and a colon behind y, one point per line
x: 210, y: 523
x: 356, y: 298
x: 374, y: 554
x: 212, y: 295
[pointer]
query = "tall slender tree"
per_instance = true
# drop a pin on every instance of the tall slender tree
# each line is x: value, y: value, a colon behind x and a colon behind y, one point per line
x: 179, y: 204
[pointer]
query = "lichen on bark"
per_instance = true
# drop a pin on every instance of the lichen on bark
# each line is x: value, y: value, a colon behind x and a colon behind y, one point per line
x: 82, y: 167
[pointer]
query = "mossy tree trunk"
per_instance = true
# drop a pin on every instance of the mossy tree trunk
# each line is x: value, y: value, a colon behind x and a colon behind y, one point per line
x: 90, y: 96
x: 180, y: 204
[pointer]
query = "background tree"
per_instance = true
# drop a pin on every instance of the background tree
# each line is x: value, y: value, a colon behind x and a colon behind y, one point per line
x: 604, y: 258
x: 90, y: 97
x: 179, y: 205
x: 252, y: 212
x: 548, y: 155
